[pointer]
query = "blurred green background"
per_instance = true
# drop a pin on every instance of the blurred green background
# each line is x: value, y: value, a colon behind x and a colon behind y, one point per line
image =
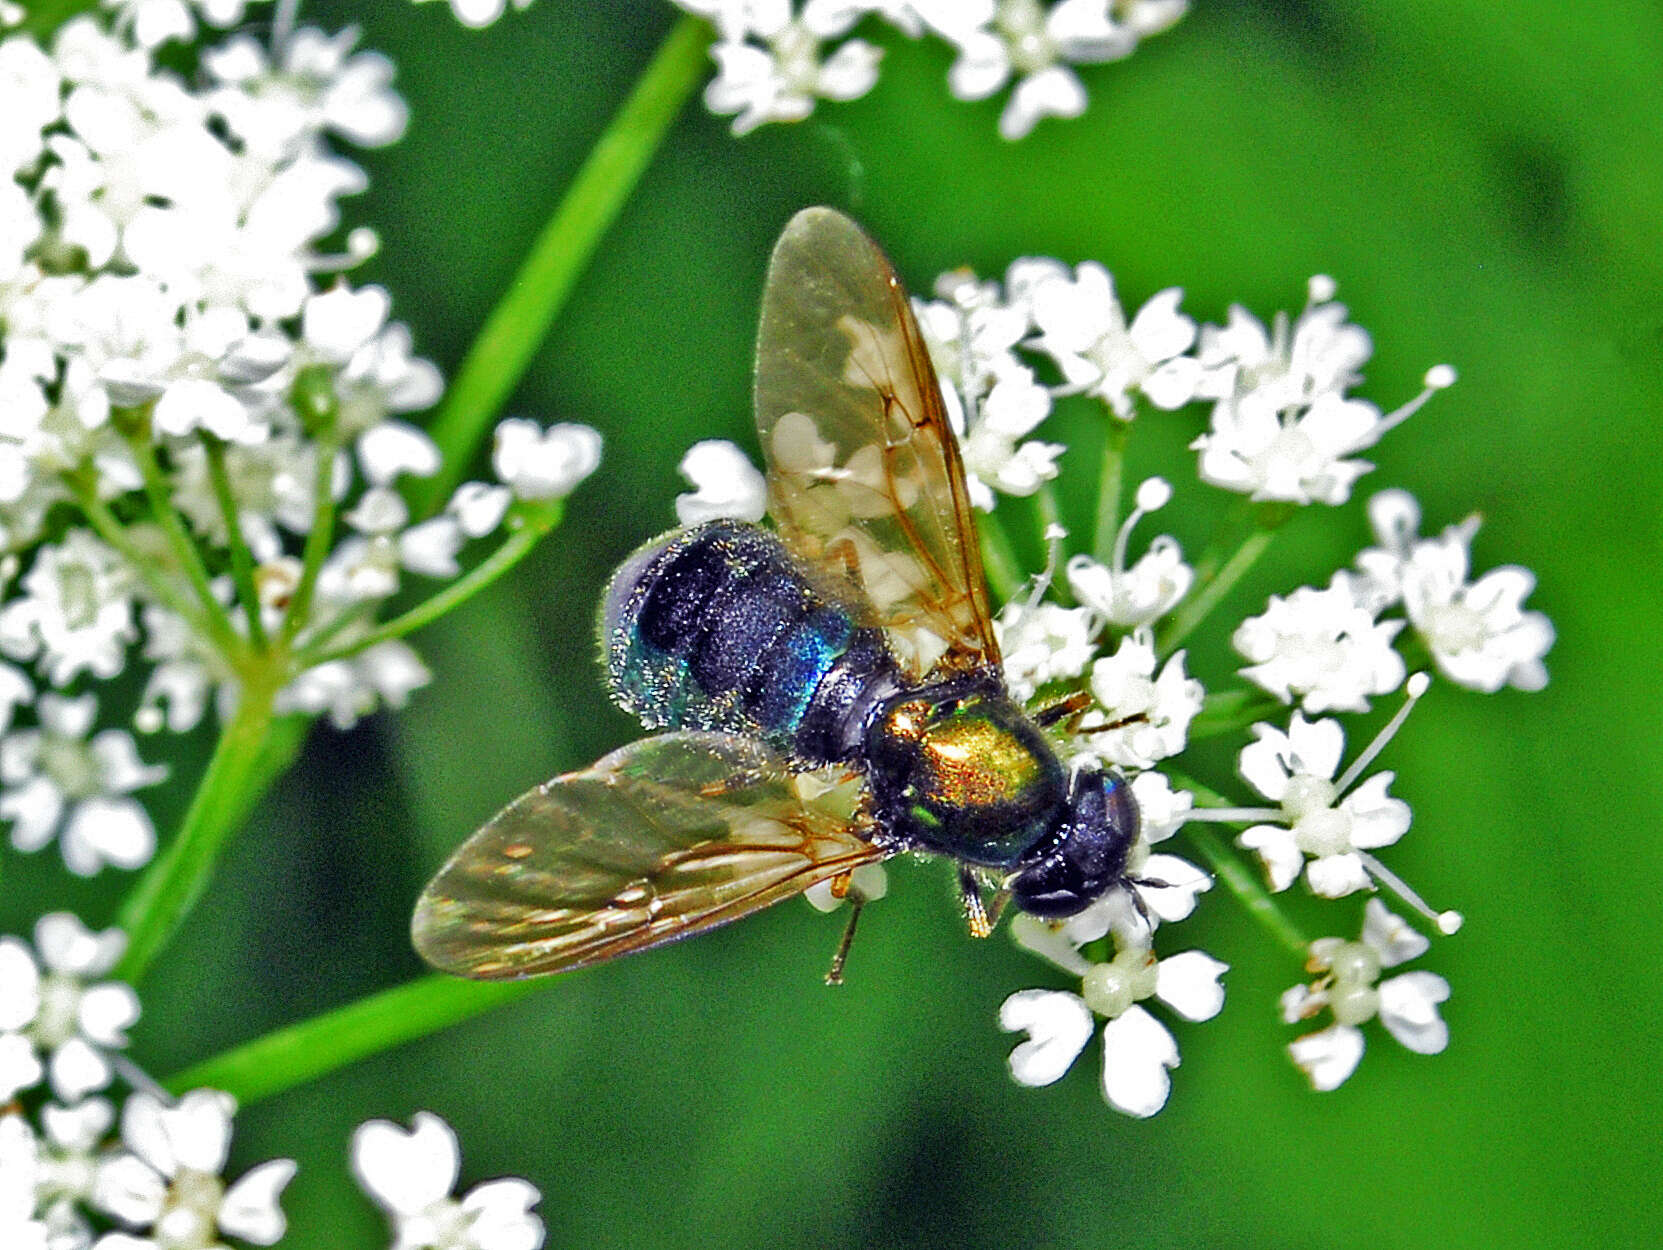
x: 1486, y: 183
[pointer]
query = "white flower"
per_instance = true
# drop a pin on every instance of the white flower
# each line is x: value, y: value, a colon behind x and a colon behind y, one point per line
x: 1157, y: 709
x: 769, y: 64
x: 55, y: 780
x: 1042, y: 642
x: 1149, y: 589
x: 170, y: 1184
x: 76, y: 613
x: 1478, y: 632
x: 29, y: 101
x: 1085, y: 331
x: 1321, y: 647
x: 317, y: 86
x: 411, y: 1174
x: 48, y: 1010
x: 1138, y: 1050
x: 725, y: 484
x: 1255, y: 449
x: 1406, y: 1004
x: 387, y: 673
x: 544, y: 464
x: 1322, y: 355
x: 1296, y: 771
x: 870, y: 881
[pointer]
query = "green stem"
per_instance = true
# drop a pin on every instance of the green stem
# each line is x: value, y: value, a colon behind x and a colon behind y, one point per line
x: 1195, y: 609
x: 313, y: 1048
x: 1237, y: 877
x: 1109, y: 487
x: 242, y: 560
x: 535, y: 523
x: 143, y: 563
x: 318, y: 539
x: 220, y: 630
x: 999, y: 562
x: 1225, y: 711
x: 517, y: 325
x: 175, y: 880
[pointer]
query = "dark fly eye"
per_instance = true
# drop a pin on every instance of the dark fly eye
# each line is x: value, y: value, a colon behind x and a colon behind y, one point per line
x: 1087, y: 856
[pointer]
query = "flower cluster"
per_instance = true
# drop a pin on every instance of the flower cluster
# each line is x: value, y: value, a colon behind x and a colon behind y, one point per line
x: 1283, y: 429
x: 67, y: 1167
x: 204, y: 453
x: 775, y: 59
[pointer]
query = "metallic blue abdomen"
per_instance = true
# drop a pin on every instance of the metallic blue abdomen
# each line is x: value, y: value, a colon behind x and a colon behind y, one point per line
x: 721, y: 627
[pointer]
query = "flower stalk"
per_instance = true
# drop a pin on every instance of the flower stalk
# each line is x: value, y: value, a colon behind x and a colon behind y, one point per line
x: 517, y: 325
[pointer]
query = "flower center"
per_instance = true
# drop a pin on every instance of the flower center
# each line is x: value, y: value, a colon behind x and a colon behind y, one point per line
x: 1308, y: 795
x: 189, y: 1212
x: 70, y: 766
x: 1455, y: 627
x: 60, y: 1011
x: 1109, y: 989
x: 1023, y: 26
x: 78, y: 594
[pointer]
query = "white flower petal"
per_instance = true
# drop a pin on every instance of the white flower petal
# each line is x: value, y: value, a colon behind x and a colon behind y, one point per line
x: 1188, y: 983
x: 249, y: 1209
x: 406, y: 1171
x: 1391, y: 936
x: 1137, y: 1051
x: 1058, y: 1026
x: 1330, y: 1056
x: 1409, y: 1010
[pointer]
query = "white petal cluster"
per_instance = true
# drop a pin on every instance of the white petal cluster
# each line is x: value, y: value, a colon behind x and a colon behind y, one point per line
x: 1321, y: 648
x: 1283, y: 427
x: 1322, y: 831
x: 1150, y: 712
x: 1478, y: 632
x: 771, y: 60
x: 60, y: 779
x: 1346, y: 985
x: 1138, y: 1050
x: 993, y: 396
x: 410, y: 1175
x: 1041, y: 643
x: 58, y: 1022
x: 1035, y: 44
x: 167, y: 1188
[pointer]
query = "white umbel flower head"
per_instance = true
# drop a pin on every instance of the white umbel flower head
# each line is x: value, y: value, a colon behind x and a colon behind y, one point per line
x: 76, y: 612
x: 170, y: 1183
x: 1085, y: 331
x: 1478, y: 632
x: 410, y: 1175
x: 1323, y: 648
x: 1152, y: 587
x: 1042, y: 642
x: 1407, y: 1004
x: 725, y: 484
x: 55, y: 780
x: 53, y: 1008
x: 1156, y: 709
x: 1138, y: 1051
x: 1322, y: 832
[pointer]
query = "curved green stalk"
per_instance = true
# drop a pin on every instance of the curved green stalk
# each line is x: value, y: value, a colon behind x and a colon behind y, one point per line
x: 313, y: 1048
x: 517, y: 325
x: 999, y: 562
x: 1109, y: 488
x: 1263, y: 522
x: 175, y: 879
x: 242, y: 560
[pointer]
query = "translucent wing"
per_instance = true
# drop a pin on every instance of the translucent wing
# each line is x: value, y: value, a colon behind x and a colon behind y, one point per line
x: 864, y: 473
x: 664, y: 838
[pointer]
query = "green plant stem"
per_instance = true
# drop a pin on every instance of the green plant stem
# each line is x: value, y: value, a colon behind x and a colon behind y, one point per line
x: 535, y: 524
x: 313, y: 1048
x: 1237, y: 877
x: 1265, y: 522
x: 1224, y: 711
x: 1108, y: 489
x: 173, y: 882
x: 220, y: 629
x: 517, y: 325
x: 242, y: 560
x: 318, y: 539
x: 999, y: 562
x: 113, y: 532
